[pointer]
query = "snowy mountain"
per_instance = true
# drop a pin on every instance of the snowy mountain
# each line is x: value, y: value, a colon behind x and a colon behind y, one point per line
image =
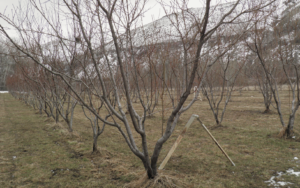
x: 184, y: 23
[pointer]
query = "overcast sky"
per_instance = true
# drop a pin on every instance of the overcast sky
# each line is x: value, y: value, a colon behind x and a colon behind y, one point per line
x: 155, y: 11
x: 154, y: 8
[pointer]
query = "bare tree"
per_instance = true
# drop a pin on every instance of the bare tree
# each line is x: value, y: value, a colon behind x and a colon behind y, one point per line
x: 220, y: 81
x: 282, y: 54
x: 6, y: 66
x: 264, y: 40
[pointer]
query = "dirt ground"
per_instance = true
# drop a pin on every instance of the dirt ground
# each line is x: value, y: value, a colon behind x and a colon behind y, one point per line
x: 36, y: 152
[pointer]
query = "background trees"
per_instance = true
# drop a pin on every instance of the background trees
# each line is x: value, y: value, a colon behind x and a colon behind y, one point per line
x: 220, y: 80
x: 276, y: 49
x: 6, y: 66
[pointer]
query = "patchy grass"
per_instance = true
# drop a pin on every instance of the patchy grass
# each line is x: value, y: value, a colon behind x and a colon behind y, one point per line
x: 36, y: 152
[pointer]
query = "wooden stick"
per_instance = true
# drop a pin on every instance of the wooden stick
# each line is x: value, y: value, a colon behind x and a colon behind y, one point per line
x: 216, y: 141
x: 163, y: 164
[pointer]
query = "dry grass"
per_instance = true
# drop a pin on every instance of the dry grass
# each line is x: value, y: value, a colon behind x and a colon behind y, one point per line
x: 160, y: 181
x: 47, y: 155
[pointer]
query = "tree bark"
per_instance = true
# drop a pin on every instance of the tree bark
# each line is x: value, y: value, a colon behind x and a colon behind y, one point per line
x: 95, y: 144
x: 290, y: 126
x: 57, y: 116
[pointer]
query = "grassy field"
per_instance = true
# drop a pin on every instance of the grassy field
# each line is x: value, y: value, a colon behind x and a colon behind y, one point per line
x: 36, y: 152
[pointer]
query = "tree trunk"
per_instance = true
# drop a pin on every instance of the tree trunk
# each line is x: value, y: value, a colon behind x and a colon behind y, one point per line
x: 40, y: 108
x: 57, y: 116
x: 71, y: 120
x: 69, y: 124
x: 151, y: 173
x: 267, y: 110
x: 290, y: 126
x: 217, y: 120
x: 45, y: 110
x: 157, y: 150
x: 154, y: 159
x: 95, y: 145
